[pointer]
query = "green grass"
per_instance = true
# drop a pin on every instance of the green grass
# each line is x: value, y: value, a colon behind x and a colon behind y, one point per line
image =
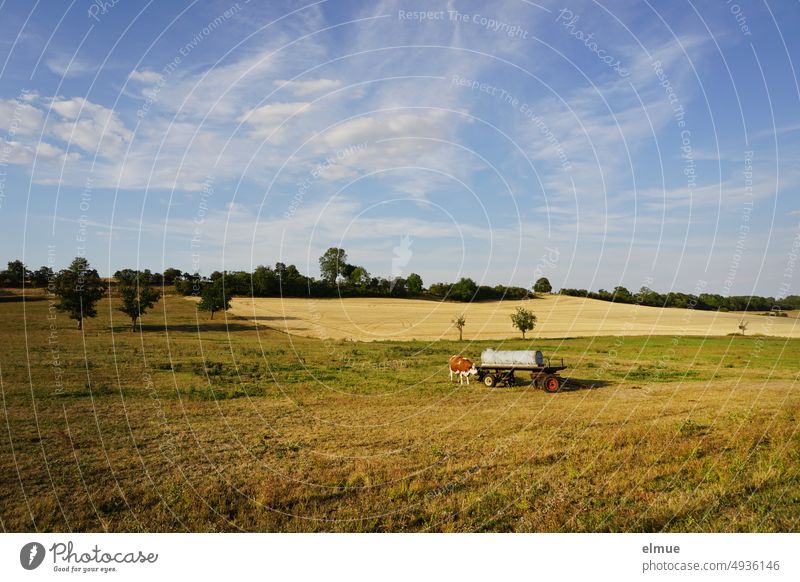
x: 217, y: 426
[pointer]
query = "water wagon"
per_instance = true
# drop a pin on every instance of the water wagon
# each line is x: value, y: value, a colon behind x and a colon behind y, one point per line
x: 498, y: 367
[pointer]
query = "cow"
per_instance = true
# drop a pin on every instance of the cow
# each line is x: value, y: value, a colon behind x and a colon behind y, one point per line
x: 462, y: 367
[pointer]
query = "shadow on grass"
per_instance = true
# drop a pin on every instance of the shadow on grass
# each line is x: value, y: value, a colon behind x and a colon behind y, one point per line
x: 14, y: 298
x: 573, y: 384
x: 190, y: 327
x: 568, y: 384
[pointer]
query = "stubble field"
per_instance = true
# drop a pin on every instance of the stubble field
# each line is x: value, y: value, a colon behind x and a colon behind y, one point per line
x: 222, y: 425
x: 558, y: 316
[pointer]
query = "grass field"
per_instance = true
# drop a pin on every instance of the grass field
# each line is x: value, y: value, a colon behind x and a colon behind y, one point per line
x: 559, y: 316
x: 223, y: 425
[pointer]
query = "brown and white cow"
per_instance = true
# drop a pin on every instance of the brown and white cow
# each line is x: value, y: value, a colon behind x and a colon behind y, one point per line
x: 462, y: 367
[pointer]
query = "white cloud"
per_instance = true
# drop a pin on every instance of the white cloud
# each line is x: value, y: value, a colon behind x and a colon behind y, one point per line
x: 67, y: 66
x: 20, y: 117
x: 91, y: 127
x: 145, y: 76
x: 303, y: 88
x: 265, y: 120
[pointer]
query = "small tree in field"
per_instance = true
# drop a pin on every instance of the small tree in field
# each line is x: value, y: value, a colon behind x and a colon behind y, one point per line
x: 136, y: 299
x: 79, y: 288
x: 460, y: 322
x: 214, y: 298
x: 743, y: 326
x: 523, y: 320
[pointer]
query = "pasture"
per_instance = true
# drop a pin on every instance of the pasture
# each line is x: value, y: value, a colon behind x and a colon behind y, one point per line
x: 226, y: 425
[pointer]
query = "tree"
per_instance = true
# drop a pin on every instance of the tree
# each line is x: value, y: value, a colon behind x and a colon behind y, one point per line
x: 460, y: 322
x: 79, y: 289
x: 523, y: 320
x: 622, y: 295
x: 128, y: 277
x: 41, y: 276
x: 414, y: 284
x: 171, y: 275
x: 464, y: 290
x: 214, y: 297
x: 332, y: 264
x: 359, y: 277
x: 14, y: 275
x: 136, y: 299
x: 542, y: 285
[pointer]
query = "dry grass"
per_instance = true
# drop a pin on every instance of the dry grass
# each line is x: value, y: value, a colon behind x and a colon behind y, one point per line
x: 558, y: 316
x: 224, y: 426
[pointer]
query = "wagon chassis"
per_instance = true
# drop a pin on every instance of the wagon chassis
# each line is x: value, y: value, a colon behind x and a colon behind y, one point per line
x: 544, y: 377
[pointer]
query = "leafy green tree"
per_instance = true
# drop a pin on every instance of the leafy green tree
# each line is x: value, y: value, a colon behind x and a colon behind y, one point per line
x: 359, y: 277
x: 14, y: 275
x: 127, y: 277
x: 332, y: 264
x: 464, y: 290
x: 622, y: 295
x: 214, y: 297
x: 41, y: 276
x: 79, y: 288
x: 460, y: 322
x: 171, y: 275
x: 542, y: 285
x: 524, y: 320
x: 136, y: 300
x: 414, y: 284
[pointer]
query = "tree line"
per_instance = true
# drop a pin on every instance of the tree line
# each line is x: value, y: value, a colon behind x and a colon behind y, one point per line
x: 79, y: 287
x: 703, y: 301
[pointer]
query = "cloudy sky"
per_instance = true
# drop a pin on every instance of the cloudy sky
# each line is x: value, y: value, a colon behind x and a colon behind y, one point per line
x: 632, y: 143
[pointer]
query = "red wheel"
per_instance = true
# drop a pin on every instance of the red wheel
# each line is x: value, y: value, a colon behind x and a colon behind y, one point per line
x: 551, y: 384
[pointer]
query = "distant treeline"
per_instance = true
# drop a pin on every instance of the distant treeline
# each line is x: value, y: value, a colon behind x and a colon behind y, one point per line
x: 286, y: 281
x: 704, y: 301
x: 341, y: 279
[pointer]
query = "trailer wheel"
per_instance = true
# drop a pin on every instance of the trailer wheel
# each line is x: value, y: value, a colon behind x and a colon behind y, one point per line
x: 490, y: 380
x: 552, y: 384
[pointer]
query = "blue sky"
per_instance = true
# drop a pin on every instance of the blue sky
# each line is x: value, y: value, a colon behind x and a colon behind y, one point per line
x: 635, y: 143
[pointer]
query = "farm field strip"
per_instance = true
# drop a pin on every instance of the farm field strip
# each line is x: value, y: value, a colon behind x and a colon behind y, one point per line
x: 368, y: 319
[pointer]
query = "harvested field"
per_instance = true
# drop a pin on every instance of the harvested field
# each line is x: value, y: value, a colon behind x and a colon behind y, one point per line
x: 558, y: 316
x: 200, y: 425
